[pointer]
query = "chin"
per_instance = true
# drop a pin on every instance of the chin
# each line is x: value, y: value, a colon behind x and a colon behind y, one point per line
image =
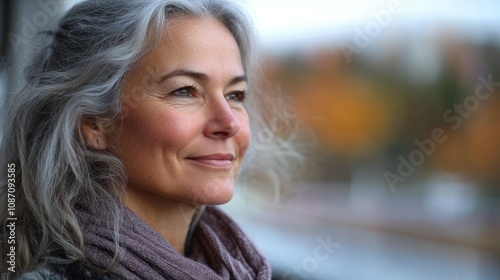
x: 223, y: 200
x: 213, y: 193
x: 220, y: 197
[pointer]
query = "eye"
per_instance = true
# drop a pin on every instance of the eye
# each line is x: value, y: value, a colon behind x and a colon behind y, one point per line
x: 238, y: 96
x: 184, y: 92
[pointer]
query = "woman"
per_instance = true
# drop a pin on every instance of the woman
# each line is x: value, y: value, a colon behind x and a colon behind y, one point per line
x: 133, y: 118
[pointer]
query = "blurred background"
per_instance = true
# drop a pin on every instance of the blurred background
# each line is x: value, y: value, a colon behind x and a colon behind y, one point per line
x: 401, y: 104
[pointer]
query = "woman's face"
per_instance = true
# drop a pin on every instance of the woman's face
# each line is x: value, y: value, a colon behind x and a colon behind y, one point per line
x: 185, y: 129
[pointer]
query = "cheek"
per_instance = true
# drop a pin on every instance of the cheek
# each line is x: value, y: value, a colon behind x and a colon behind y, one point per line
x: 147, y: 130
x: 243, y: 136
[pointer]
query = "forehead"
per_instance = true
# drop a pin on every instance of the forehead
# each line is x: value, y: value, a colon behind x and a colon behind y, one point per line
x: 196, y: 43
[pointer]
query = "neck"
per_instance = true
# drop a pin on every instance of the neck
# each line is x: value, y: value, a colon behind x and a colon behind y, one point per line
x: 170, y: 218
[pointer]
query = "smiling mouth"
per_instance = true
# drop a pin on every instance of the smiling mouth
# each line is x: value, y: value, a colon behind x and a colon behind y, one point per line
x: 219, y: 161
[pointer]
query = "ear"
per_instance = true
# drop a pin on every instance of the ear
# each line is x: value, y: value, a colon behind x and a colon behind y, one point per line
x: 94, y: 133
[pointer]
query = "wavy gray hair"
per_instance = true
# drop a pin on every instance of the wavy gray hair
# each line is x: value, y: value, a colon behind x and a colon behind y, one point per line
x: 78, y: 75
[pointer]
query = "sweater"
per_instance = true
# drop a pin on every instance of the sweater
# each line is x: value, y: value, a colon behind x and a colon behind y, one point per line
x: 218, y: 250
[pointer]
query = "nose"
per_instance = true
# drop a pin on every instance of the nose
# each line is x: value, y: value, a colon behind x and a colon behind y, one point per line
x: 221, y: 123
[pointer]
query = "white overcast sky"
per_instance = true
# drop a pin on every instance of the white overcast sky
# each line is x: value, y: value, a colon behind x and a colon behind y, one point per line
x: 294, y: 22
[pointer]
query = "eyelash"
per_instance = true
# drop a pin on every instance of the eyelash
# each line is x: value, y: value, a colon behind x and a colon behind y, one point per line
x: 189, y: 88
x: 240, y: 98
x: 242, y: 95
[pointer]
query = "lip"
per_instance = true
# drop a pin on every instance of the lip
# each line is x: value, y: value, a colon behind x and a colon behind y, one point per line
x: 218, y: 160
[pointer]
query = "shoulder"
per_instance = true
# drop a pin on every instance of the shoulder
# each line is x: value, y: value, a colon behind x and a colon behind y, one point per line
x: 64, y: 272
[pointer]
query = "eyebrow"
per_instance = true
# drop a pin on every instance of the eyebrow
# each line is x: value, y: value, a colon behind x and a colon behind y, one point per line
x: 200, y: 76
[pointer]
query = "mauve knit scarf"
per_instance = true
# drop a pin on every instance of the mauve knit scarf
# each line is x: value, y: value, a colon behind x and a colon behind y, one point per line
x: 218, y: 250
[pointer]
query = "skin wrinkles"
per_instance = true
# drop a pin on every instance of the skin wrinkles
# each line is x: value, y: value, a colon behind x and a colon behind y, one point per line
x: 186, y: 130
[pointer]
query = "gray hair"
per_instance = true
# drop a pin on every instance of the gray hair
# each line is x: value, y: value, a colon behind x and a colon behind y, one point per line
x: 79, y: 74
